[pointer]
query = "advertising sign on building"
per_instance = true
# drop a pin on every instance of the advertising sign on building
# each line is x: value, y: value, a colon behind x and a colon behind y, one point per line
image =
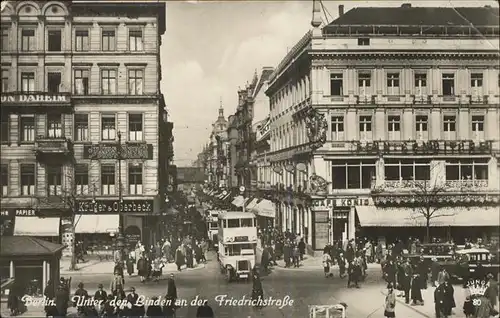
x: 113, y: 206
x: 18, y: 212
x: 327, y: 204
x: 33, y: 98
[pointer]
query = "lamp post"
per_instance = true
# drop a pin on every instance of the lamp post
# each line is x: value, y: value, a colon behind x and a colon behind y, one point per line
x: 120, y: 241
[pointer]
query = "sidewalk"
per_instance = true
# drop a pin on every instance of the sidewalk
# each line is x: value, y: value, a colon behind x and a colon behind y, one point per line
x: 93, y: 267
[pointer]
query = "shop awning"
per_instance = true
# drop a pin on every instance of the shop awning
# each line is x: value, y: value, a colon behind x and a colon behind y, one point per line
x: 226, y: 196
x: 89, y: 223
x: 265, y: 208
x: 371, y: 216
x: 250, y: 205
x: 238, y: 201
x: 35, y: 226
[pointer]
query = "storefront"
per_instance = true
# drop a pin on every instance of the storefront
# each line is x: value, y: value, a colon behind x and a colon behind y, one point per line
x: 265, y: 211
x: 457, y: 222
x: 333, y: 219
x: 26, y: 222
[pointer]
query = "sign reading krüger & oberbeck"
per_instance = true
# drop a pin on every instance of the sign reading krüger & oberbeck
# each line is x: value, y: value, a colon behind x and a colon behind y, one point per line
x: 34, y: 98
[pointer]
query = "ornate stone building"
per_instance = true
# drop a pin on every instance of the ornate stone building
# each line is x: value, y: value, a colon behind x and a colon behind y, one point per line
x: 217, y: 150
x: 81, y: 115
x: 384, y: 114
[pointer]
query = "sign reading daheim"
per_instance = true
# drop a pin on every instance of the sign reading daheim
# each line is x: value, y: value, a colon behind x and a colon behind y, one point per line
x: 111, y: 151
x: 34, y: 98
x: 113, y: 206
x: 343, y: 202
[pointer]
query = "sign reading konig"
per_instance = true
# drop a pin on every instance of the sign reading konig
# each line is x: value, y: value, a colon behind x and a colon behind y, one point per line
x: 33, y: 98
x: 343, y: 202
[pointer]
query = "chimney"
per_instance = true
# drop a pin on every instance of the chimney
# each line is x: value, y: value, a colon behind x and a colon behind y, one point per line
x: 341, y: 10
x: 406, y: 5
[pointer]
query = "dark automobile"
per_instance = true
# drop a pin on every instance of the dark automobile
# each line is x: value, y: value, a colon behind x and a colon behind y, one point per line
x: 475, y: 263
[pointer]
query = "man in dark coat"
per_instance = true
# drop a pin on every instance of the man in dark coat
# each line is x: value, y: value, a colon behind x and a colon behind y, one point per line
x: 257, y: 290
x: 171, y: 288
x: 302, y: 249
x: 264, y: 261
x: 82, y: 295
x: 406, y: 283
x: 205, y: 311
x: 416, y: 292
x: 101, y: 296
x: 154, y: 310
x: 287, y: 254
x: 422, y: 271
x: 49, y: 294
x: 62, y: 298
x: 142, y: 268
x: 134, y: 309
x: 444, y: 300
x: 189, y: 256
x: 179, y: 258
x: 435, y: 269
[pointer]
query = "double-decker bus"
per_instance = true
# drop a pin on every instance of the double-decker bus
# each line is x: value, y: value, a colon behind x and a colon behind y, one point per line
x: 237, y: 244
x: 213, y: 227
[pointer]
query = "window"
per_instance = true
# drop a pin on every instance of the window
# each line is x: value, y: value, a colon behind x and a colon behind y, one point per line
x: 108, y: 179
x: 135, y: 178
x: 82, y: 40
x: 364, y: 82
x: 135, y: 127
x: 236, y: 249
x: 363, y: 41
x: 421, y: 129
x: 53, y: 82
x: 135, y: 40
x: 420, y: 84
x: 54, y: 126
x: 27, y: 125
x: 246, y: 222
x: 353, y: 174
x: 108, y: 82
x: 82, y: 179
x: 27, y: 179
x: 394, y: 127
x: 27, y: 82
x: 478, y: 127
x: 336, y: 85
x: 54, y: 40
x: 466, y: 169
x: 337, y: 127
x: 5, y: 128
x: 396, y: 170
x: 393, y: 84
x: 108, y: 127
x: 4, y: 179
x: 476, y: 84
x: 135, y: 82
x: 54, y: 180
x: 28, y: 40
x: 108, y: 40
x: 449, y: 127
x: 5, y: 81
x: 232, y: 223
x: 81, y: 82
x: 81, y: 127
x: 449, y: 84
x: 5, y: 40
x: 365, y: 127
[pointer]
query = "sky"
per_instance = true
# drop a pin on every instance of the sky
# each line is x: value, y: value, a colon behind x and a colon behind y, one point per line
x: 212, y: 48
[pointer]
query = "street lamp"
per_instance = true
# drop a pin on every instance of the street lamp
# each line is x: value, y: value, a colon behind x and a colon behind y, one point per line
x: 120, y: 240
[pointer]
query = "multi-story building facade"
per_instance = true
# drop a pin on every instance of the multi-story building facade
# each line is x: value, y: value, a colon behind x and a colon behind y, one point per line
x: 232, y: 159
x: 80, y: 101
x: 377, y: 114
x: 217, y: 152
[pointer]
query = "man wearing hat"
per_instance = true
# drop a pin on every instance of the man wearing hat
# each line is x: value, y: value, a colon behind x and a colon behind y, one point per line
x: 435, y: 268
x: 82, y: 295
x: 492, y: 290
x: 101, y: 296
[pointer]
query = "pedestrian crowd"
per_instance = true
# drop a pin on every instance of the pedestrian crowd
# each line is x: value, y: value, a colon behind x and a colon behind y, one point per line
x: 278, y: 245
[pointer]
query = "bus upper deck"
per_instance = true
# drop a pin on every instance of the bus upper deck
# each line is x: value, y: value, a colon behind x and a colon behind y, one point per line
x: 237, y: 227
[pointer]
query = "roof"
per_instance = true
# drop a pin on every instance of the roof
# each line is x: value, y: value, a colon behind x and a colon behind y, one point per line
x: 236, y: 215
x: 419, y: 16
x: 190, y: 175
x: 28, y: 246
x: 264, y: 76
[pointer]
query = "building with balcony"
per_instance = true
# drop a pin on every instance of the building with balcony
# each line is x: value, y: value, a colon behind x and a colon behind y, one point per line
x: 81, y: 115
x: 386, y: 112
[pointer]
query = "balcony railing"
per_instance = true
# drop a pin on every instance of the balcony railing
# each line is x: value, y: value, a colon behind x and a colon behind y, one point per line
x: 47, y: 145
x: 400, y: 185
x: 466, y: 185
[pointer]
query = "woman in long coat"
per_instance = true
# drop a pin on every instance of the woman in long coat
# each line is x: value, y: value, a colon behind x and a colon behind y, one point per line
x: 142, y: 268
x: 257, y: 290
x: 179, y: 258
x: 416, y: 292
x: 189, y: 256
x: 390, y: 302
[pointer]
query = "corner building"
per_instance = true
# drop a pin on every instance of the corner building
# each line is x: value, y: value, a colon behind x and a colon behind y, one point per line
x: 77, y: 78
x: 379, y: 103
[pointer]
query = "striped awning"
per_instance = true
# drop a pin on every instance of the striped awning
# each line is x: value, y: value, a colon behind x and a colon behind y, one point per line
x: 250, y: 205
x: 460, y: 216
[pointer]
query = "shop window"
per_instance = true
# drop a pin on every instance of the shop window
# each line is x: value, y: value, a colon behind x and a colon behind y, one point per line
x: 54, y: 37
x: 82, y: 179
x: 108, y: 127
x: 81, y: 127
x: 54, y: 180
x: 27, y: 127
x: 135, y: 178
x: 352, y: 174
x: 27, y: 179
x: 81, y: 82
x: 54, y: 126
x: 396, y: 170
x: 4, y: 179
x: 336, y: 88
x: 108, y: 180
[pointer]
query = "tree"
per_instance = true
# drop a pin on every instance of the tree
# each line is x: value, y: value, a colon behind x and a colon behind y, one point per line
x: 66, y: 196
x: 427, y: 201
